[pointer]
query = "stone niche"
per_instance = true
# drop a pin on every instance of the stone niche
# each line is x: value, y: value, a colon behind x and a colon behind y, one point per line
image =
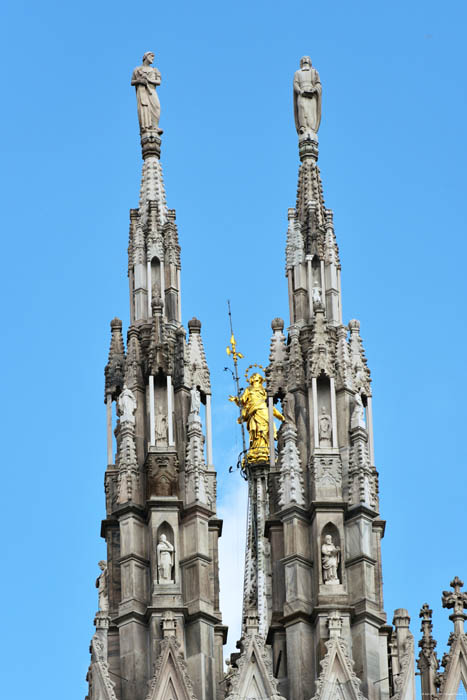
x: 331, y: 568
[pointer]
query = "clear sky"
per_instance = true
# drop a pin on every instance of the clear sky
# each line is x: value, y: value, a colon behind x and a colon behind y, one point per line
x: 392, y: 155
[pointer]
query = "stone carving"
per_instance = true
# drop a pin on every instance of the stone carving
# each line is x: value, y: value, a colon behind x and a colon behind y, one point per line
x: 195, y: 400
x: 253, y: 675
x: 325, y: 428
x: 289, y: 408
x: 146, y: 79
x: 160, y: 428
x: 170, y: 658
x: 327, y: 476
x: 102, y: 586
x: 358, y: 413
x: 337, y: 664
x: 330, y: 555
x: 307, y: 98
x: 165, y: 560
x: 126, y: 405
x: 316, y: 295
x: 291, y: 477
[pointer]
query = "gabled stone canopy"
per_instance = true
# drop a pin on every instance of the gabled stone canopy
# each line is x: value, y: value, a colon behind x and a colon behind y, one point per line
x: 170, y: 680
x: 337, y: 678
x: 253, y: 678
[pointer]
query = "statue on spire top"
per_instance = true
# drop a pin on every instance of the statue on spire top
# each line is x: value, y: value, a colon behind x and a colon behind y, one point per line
x: 307, y: 99
x: 145, y: 78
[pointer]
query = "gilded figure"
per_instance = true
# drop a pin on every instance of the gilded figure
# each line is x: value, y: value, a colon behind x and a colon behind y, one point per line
x: 254, y: 412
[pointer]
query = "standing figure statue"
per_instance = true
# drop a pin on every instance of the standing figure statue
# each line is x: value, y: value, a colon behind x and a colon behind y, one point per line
x: 195, y: 400
x: 358, y: 414
x: 146, y: 79
x: 101, y: 585
x: 307, y: 98
x: 330, y: 555
x: 165, y: 560
x: 325, y: 428
x: 126, y: 405
x: 254, y: 412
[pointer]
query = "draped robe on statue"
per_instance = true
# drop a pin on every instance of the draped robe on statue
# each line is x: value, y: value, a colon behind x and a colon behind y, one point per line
x: 307, y: 100
x: 146, y: 79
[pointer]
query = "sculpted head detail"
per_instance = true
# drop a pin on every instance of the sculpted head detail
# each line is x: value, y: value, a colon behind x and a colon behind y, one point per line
x: 328, y: 539
x: 256, y: 379
x: 162, y: 538
x: 148, y: 58
x: 102, y: 564
x: 305, y: 61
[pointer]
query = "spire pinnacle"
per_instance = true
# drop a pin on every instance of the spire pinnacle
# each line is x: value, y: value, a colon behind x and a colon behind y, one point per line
x: 457, y: 600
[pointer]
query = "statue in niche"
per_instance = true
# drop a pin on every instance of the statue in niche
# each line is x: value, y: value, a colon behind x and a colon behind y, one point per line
x: 330, y: 555
x: 325, y: 428
x: 195, y: 400
x: 254, y: 412
x: 126, y: 405
x: 307, y: 98
x: 358, y: 413
x: 165, y: 560
x: 160, y: 426
x: 146, y: 79
x: 316, y: 296
x: 102, y: 586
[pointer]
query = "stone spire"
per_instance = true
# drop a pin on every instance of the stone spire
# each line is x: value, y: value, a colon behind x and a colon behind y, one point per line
x: 162, y: 627
x: 321, y: 491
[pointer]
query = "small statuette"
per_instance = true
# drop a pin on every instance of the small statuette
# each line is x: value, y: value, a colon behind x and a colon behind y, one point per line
x: 316, y: 296
x: 358, y: 413
x: 126, y: 405
x: 165, y: 560
x: 325, y: 429
x: 145, y: 78
x: 195, y: 401
x: 307, y: 99
x: 330, y: 555
x: 102, y: 586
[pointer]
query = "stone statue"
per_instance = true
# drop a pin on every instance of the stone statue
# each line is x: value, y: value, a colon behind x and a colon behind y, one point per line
x: 254, y: 412
x: 288, y: 406
x: 316, y: 295
x: 307, y: 98
x: 126, y: 405
x: 101, y: 585
x: 325, y: 429
x: 165, y: 560
x: 358, y: 414
x: 146, y: 79
x: 195, y: 400
x: 330, y: 555
x: 161, y: 428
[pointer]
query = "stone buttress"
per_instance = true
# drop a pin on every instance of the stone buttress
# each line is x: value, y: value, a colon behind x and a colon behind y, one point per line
x: 159, y: 624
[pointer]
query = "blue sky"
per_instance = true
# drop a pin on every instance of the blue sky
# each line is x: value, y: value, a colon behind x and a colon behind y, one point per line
x: 392, y: 156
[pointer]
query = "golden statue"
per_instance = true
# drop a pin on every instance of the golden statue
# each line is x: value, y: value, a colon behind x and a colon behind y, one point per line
x: 254, y: 412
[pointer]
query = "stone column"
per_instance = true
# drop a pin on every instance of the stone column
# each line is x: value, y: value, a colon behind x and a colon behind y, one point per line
x: 314, y: 390
x: 209, y: 459
x: 272, y: 455
x: 333, y: 413
x: 149, y: 278
x: 108, y: 402
x: 152, y: 418
x: 170, y: 417
x: 309, y: 259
